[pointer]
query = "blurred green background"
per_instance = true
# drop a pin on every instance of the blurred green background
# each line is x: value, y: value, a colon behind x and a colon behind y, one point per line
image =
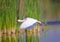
x: 11, y: 10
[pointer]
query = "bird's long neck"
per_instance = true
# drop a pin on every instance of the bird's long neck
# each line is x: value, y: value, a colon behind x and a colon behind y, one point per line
x: 20, y: 20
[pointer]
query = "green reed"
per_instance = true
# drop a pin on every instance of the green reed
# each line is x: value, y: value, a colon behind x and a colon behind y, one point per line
x: 10, y: 12
x: 33, y: 10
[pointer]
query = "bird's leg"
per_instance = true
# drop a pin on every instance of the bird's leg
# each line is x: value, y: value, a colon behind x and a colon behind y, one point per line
x: 26, y: 35
x: 42, y: 24
x: 39, y: 22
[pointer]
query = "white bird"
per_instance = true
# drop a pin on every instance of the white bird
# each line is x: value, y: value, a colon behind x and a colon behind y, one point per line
x: 28, y: 23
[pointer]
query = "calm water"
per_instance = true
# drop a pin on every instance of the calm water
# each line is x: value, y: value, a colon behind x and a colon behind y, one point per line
x: 33, y: 36
x: 52, y: 35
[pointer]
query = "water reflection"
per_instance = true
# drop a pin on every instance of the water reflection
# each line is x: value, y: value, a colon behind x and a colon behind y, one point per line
x: 22, y: 36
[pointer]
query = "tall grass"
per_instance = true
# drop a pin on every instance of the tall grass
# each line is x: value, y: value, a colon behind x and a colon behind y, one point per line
x: 33, y: 10
x: 10, y: 11
x: 7, y: 17
x: 8, y: 14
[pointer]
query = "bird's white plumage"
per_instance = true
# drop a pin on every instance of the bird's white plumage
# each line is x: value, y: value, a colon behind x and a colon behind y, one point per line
x: 28, y: 22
